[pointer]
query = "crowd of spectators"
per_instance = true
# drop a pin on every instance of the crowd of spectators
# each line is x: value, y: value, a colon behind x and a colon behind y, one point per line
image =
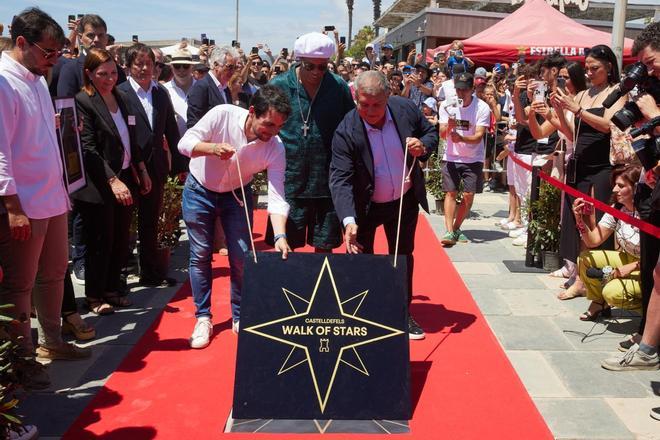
x: 136, y: 104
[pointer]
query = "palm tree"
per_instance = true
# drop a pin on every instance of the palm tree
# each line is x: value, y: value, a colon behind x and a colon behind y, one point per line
x: 349, y: 4
x: 376, y: 14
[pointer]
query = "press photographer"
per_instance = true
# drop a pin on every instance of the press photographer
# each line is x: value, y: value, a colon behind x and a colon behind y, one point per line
x: 643, y: 109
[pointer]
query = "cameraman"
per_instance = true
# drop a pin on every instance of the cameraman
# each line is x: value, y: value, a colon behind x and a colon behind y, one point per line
x: 647, y: 50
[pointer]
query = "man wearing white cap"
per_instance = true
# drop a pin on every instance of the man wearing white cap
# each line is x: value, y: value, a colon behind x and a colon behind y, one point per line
x: 319, y: 101
x: 180, y: 85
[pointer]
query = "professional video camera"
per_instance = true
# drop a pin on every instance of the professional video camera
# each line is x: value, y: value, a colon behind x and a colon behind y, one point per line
x: 647, y: 149
x: 637, y: 81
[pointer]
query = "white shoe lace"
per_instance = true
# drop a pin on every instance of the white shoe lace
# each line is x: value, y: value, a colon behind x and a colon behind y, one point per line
x: 629, y: 355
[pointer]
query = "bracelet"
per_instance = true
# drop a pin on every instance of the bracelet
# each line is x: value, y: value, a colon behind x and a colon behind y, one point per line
x: 277, y: 237
x: 579, y: 112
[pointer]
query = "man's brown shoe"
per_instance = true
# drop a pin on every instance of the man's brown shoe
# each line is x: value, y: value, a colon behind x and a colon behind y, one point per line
x: 64, y: 352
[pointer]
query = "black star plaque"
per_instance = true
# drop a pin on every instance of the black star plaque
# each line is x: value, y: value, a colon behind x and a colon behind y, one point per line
x: 323, y: 337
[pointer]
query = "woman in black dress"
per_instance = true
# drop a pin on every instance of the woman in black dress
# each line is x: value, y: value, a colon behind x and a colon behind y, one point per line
x: 114, y: 171
x: 589, y: 170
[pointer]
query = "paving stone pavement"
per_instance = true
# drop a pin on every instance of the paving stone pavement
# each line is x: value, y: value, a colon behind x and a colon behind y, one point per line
x: 556, y: 355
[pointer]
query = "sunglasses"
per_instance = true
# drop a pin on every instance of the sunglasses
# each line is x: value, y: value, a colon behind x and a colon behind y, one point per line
x: 48, y: 54
x: 311, y: 66
x: 181, y: 66
x: 256, y: 63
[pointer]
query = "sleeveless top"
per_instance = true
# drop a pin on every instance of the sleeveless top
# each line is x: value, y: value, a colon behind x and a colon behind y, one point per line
x: 592, y: 148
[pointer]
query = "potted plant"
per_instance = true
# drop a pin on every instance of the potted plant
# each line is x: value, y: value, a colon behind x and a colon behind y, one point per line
x: 11, y: 363
x: 434, y: 183
x: 544, y: 225
x: 168, y: 224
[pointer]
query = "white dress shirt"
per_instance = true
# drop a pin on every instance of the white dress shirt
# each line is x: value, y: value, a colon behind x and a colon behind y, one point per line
x: 388, y: 155
x: 30, y: 159
x: 122, y: 128
x: 146, y: 99
x: 220, y: 87
x: 180, y: 103
x: 226, y: 124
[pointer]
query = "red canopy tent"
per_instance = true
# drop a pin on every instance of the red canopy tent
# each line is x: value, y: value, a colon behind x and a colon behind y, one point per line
x: 535, y: 29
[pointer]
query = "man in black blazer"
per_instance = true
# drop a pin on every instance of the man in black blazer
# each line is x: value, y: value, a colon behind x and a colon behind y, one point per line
x: 213, y: 89
x: 150, y: 106
x: 93, y: 33
x: 367, y: 169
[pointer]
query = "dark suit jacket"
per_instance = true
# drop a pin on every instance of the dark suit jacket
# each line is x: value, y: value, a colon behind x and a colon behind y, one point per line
x: 69, y: 82
x: 352, y: 164
x: 103, y: 151
x: 150, y: 140
x: 203, y: 96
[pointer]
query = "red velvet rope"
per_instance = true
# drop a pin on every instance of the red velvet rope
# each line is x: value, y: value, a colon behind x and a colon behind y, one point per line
x: 642, y: 225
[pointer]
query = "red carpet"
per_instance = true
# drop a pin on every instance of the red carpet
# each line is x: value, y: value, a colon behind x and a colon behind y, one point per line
x: 463, y: 384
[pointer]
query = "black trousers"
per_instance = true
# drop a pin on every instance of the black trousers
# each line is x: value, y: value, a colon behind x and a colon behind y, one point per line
x: 149, y: 208
x: 105, y: 229
x: 649, y: 247
x: 386, y: 214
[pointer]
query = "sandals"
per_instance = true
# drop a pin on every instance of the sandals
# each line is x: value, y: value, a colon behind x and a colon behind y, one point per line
x: 118, y: 300
x: 99, y: 306
x: 73, y: 324
x: 605, y: 311
x: 570, y: 293
x: 561, y: 273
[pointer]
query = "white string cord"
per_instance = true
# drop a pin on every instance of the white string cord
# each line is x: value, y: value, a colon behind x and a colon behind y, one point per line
x: 398, y: 223
x: 245, y: 202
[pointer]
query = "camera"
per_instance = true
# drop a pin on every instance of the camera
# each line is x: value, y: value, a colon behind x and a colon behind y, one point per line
x: 647, y: 149
x: 637, y: 80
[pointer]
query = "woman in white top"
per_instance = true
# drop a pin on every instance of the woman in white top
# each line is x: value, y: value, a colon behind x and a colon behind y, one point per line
x: 611, y: 277
x: 114, y: 171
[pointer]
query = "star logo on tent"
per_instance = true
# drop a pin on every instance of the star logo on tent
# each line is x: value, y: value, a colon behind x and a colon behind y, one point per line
x: 324, y: 333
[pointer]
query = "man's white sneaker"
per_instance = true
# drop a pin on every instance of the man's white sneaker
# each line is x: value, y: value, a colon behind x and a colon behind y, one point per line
x: 201, y: 336
x: 517, y: 232
x: 235, y: 326
x: 520, y: 241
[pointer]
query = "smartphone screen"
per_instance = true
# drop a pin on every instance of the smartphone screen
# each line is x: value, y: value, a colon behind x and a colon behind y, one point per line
x: 329, y: 28
x: 255, y: 49
x: 135, y: 38
x: 211, y: 42
x: 205, y: 41
x: 80, y: 16
x: 72, y: 17
x: 342, y: 40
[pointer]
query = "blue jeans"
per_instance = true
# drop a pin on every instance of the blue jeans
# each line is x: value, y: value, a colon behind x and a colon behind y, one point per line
x: 200, y: 209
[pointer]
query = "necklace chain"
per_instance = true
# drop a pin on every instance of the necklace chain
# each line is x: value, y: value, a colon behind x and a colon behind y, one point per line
x: 311, y: 103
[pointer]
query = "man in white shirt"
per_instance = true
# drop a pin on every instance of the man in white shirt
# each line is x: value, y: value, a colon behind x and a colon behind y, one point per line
x: 463, y: 124
x: 180, y: 85
x: 226, y: 138
x: 33, y: 198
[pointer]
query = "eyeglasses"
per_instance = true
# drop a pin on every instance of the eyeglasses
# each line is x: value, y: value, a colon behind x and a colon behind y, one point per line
x: 48, y: 54
x: 181, y: 66
x: 311, y: 66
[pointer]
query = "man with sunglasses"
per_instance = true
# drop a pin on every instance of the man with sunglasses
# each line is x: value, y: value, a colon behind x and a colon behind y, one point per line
x: 213, y: 89
x: 319, y: 101
x: 180, y: 85
x: 34, y: 201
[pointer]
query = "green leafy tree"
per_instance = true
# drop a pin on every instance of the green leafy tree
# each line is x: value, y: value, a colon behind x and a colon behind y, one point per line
x: 363, y: 37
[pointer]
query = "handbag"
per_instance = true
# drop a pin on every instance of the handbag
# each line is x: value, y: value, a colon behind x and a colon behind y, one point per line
x: 621, y: 150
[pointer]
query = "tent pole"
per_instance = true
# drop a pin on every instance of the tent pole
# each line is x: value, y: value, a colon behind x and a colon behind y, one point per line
x: 618, y: 30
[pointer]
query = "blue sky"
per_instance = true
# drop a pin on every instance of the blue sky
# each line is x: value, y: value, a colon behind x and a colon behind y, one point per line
x: 276, y: 22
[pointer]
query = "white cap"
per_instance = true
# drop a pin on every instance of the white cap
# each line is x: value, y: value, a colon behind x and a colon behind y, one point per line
x: 431, y: 103
x: 314, y: 45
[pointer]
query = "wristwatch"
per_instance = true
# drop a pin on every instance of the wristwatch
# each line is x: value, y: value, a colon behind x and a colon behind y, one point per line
x: 608, y: 273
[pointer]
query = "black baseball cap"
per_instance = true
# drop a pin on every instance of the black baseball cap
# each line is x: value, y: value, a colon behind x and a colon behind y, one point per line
x: 422, y: 66
x: 463, y: 80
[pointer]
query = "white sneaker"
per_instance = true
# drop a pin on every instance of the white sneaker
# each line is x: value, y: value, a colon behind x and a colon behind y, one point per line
x: 235, y: 327
x: 517, y: 232
x: 511, y: 226
x: 201, y: 336
x: 521, y: 240
x: 502, y: 222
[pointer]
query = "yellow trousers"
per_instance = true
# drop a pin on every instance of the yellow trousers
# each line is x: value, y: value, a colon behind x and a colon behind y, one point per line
x: 624, y: 293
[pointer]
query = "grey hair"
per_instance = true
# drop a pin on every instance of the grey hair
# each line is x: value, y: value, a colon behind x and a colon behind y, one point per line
x: 372, y: 83
x: 219, y: 55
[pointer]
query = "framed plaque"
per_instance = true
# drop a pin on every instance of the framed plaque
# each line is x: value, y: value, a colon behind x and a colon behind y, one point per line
x: 70, y: 147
